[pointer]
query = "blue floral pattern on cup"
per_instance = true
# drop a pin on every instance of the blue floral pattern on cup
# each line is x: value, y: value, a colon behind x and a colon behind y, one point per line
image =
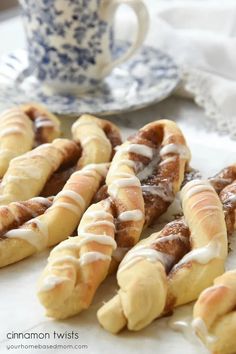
x: 46, y: 26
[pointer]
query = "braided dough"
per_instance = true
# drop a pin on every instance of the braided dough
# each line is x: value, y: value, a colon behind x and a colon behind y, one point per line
x: 58, y: 222
x: 28, y: 173
x: 215, y: 315
x: 20, y: 131
x: 146, y: 291
x: 125, y: 214
x: 97, y: 138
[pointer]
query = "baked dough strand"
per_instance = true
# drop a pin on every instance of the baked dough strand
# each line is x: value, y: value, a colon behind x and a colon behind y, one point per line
x: 58, y: 222
x: 77, y: 266
x: 97, y: 138
x: 215, y: 315
x: 28, y: 173
x: 163, y: 272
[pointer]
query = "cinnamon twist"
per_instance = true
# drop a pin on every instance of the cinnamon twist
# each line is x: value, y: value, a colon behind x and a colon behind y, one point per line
x: 152, y: 152
x: 149, y: 166
x: 172, y: 267
x: 96, y: 138
x: 215, y: 315
x: 77, y: 266
x: 28, y: 173
x: 58, y: 222
x: 21, y: 128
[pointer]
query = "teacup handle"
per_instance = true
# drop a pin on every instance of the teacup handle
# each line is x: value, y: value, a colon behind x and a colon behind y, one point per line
x: 143, y: 23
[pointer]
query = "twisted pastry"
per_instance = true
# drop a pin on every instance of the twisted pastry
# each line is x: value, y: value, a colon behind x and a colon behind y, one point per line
x: 20, y: 130
x: 77, y: 266
x: 147, y: 169
x: 28, y: 173
x: 159, y: 273
x: 46, y: 125
x: 97, y: 138
x: 223, y: 178
x: 215, y: 315
x: 58, y: 222
x: 17, y: 213
x: 125, y: 214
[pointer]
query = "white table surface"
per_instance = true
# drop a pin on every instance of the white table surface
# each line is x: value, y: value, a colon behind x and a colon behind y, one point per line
x: 191, y: 119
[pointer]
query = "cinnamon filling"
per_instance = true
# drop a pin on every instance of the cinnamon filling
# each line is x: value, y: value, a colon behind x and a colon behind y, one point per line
x: 43, y: 126
x: 223, y: 178
x: 228, y: 199
x: 174, y: 241
x: 21, y: 212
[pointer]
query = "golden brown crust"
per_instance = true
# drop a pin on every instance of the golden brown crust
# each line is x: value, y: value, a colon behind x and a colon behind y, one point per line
x: 28, y: 173
x: 75, y: 267
x: 16, y: 136
x: 126, y: 206
x: 170, y: 250
x: 228, y: 199
x: 97, y: 138
x: 214, y: 315
x: 17, y: 213
x: 223, y: 178
x: 204, y: 215
x: 46, y: 124
x: 58, y: 222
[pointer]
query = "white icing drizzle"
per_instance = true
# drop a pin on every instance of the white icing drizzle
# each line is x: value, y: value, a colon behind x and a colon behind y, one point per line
x: 198, y: 189
x: 98, y: 223
x: 231, y: 199
x: 91, y: 257
x: 41, y: 200
x: 11, y: 130
x: 168, y: 160
x: 164, y: 192
x: 62, y: 259
x: 98, y: 213
x: 181, y: 320
x: 50, y: 282
x: 74, y: 208
x: 69, y: 244
x: 37, y: 238
x: 92, y: 169
x: 99, y: 168
x: 178, y: 149
x: 149, y: 169
x: 195, y: 187
x: 143, y: 252
x: 76, y: 197
x: 202, y: 255
x: 131, y: 215
x: 139, y: 149
x: 200, y: 327
x: 105, y: 240
x: 123, y: 182
x: 41, y: 122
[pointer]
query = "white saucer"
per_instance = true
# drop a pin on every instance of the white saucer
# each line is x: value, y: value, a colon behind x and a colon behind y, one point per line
x: 148, y: 77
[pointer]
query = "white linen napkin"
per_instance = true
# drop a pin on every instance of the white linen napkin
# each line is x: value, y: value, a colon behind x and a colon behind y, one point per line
x: 201, y: 38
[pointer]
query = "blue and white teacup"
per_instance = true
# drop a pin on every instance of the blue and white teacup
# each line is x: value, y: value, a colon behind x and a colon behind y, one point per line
x: 70, y: 41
